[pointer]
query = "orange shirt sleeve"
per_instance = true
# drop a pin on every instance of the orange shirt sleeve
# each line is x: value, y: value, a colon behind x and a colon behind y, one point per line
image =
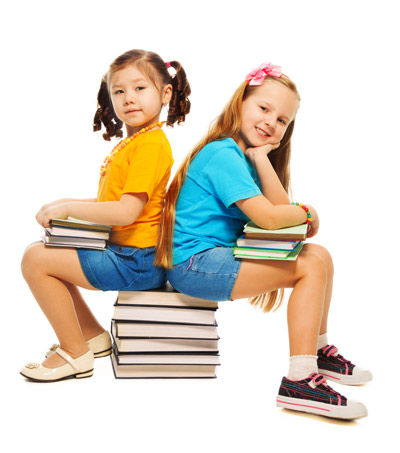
x: 148, y: 165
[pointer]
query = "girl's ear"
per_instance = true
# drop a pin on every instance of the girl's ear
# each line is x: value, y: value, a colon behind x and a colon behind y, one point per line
x: 166, y: 94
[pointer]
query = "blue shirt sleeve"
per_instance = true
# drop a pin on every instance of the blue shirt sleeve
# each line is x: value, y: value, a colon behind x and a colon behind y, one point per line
x: 228, y: 176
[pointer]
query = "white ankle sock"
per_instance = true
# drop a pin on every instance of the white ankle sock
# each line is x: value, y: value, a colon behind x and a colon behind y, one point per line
x: 322, y: 341
x: 301, y: 366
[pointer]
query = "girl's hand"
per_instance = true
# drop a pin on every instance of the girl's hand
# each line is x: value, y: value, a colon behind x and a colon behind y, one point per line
x: 259, y: 153
x: 51, y: 211
x: 313, y: 226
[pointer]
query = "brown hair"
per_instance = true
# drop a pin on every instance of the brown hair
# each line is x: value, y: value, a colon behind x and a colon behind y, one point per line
x: 227, y: 124
x: 157, y: 71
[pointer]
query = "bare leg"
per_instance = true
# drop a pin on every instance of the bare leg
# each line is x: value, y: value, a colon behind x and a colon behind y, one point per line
x: 89, y: 325
x: 327, y: 259
x: 46, y: 270
x: 308, y: 278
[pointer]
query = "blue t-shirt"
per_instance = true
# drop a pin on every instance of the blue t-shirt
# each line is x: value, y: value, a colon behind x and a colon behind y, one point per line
x: 206, y: 213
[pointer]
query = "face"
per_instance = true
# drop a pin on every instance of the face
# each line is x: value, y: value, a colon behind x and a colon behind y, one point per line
x: 266, y: 114
x: 136, y: 100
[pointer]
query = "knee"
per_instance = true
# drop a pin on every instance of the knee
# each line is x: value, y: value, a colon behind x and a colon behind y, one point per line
x: 30, y: 262
x: 324, y: 255
x: 312, y: 265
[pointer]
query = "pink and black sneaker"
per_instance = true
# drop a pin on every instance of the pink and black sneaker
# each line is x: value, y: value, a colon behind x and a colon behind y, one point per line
x: 313, y: 395
x: 335, y: 367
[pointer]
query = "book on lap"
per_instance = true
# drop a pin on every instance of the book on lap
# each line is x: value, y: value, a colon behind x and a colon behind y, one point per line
x: 242, y: 252
x: 76, y: 233
x: 77, y: 242
x: 281, y: 244
x: 72, y: 223
x: 268, y: 244
x: 295, y: 233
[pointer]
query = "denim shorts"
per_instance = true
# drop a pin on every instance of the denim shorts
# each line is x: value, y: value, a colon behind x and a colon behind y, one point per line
x: 120, y: 268
x: 210, y: 274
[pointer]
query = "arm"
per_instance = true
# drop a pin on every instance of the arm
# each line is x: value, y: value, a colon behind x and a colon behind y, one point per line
x: 67, y: 200
x: 275, y: 195
x: 269, y: 216
x: 272, y: 217
x: 122, y: 212
x: 271, y: 186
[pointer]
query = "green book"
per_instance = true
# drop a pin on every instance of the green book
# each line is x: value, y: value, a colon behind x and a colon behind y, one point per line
x: 238, y: 252
x: 298, y: 232
x: 263, y: 252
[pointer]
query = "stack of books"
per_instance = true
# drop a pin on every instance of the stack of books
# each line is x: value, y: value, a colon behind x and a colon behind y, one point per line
x: 282, y: 244
x: 162, y: 333
x: 76, y: 233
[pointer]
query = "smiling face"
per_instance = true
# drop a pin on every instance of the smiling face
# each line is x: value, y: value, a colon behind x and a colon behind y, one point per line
x: 136, y: 100
x: 266, y: 114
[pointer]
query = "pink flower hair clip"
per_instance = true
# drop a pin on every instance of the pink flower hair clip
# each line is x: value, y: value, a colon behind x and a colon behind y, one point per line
x: 257, y: 76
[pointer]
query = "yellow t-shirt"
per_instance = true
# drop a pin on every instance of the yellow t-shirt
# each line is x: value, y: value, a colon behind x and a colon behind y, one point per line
x: 144, y: 165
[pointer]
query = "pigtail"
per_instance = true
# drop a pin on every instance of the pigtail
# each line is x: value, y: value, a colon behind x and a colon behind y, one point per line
x: 105, y: 114
x: 179, y: 105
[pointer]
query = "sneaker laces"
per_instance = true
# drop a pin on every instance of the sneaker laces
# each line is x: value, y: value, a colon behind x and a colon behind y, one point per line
x: 319, y: 379
x: 331, y: 350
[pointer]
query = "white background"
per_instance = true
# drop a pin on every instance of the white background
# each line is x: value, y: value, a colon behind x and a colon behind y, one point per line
x: 343, y: 56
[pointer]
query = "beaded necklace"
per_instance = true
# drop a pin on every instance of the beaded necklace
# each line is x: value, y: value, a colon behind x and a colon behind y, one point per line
x: 121, y: 145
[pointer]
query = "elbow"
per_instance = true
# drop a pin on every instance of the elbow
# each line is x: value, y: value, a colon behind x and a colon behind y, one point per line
x: 273, y: 224
x: 269, y: 224
x: 130, y: 208
x: 127, y: 218
x: 131, y: 218
x: 262, y: 212
x: 269, y: 221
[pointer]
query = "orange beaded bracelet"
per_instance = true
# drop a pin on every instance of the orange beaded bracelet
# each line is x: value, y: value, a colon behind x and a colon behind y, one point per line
x: 309, y: 217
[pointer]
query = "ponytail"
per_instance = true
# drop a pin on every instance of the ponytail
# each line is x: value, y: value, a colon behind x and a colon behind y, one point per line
x: 105, y: 114
x: 179, y: 105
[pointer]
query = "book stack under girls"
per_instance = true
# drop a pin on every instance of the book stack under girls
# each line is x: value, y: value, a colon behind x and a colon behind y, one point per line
x: 281, y: 244
x: 162, y: 333
x: 76, y: 233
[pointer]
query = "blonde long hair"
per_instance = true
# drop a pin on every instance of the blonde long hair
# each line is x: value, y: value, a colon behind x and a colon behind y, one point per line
x: 227, y: 124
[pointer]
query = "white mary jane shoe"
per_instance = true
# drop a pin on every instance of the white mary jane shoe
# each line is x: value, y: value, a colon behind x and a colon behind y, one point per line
x: 101, y: 346
x: 75, y: 368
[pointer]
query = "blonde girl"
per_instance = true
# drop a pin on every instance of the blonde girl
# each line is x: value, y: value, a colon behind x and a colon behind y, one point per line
x: 130, y: 197
x: 240, y: 172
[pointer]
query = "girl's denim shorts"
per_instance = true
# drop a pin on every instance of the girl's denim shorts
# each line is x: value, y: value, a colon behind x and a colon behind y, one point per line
x: 210, y: 274
x: 120, y: 268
